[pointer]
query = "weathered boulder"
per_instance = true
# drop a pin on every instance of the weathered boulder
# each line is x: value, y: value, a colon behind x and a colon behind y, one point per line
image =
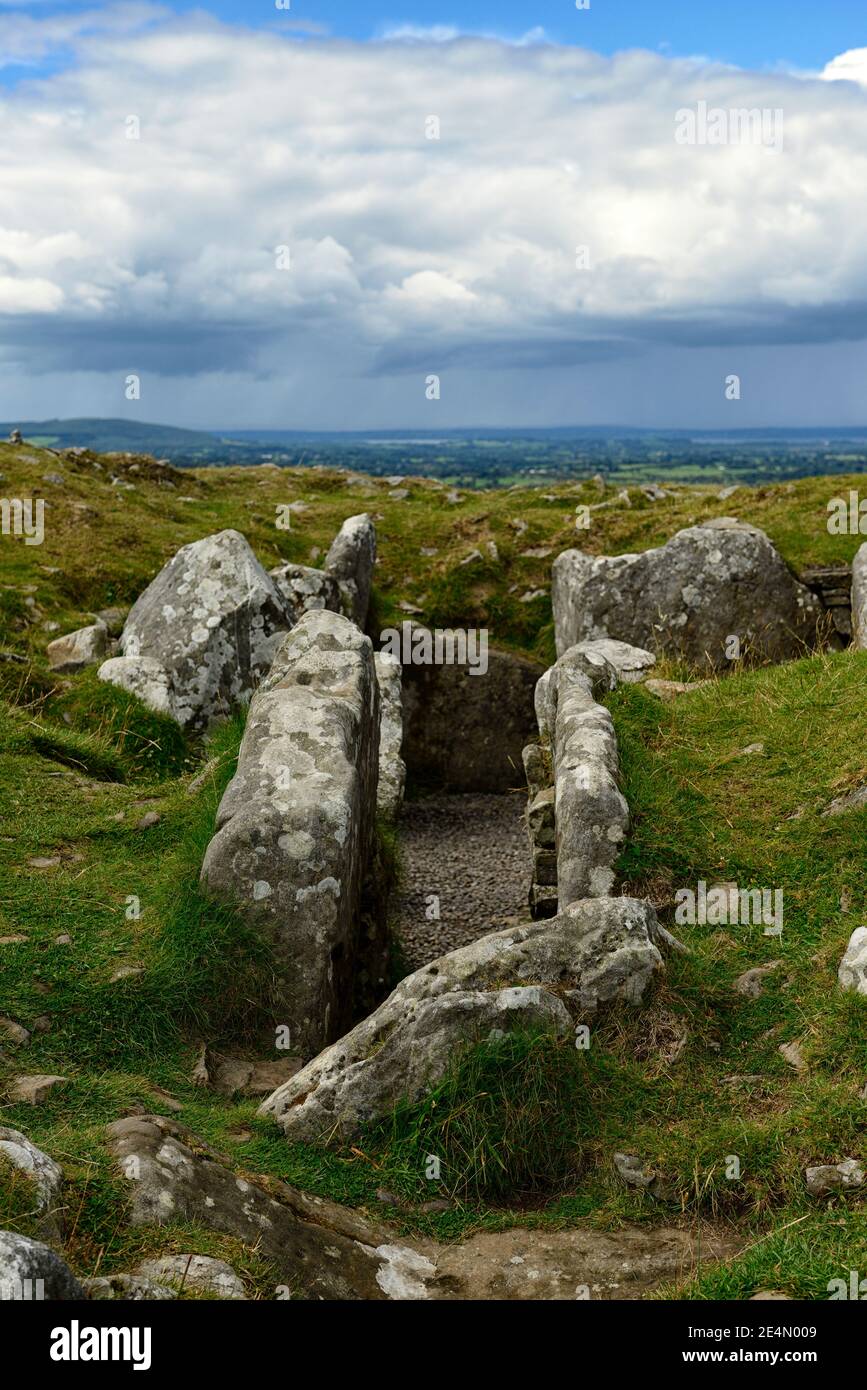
x: 596, y: 951
x: 826, y: 1178
x: 590, y: 812
x: 30, y: 1271
x: 853, y: 967
x: 46, y: 1176
x: 392, y: 768
x: 326, y: 1251
x: 143, y: 676
x: 630, y: 664
x: 131, y: 1288
x: 304, y: 589
x: 859, y: 599
x: 295, y: 826
x: 465, y: 732
x: 202, y: 1273
x: 688, y: 597
x: 350, y: 560
x: 85, y: 647
x: 211, y: 620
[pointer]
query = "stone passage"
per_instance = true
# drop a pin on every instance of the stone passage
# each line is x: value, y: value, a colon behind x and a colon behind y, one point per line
x: 471, y: 852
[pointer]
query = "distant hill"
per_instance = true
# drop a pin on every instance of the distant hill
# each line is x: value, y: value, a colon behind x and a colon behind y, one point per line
x: 487, y: 456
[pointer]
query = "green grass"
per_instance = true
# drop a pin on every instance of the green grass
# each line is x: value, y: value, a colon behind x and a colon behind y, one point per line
x: 525, y: 1130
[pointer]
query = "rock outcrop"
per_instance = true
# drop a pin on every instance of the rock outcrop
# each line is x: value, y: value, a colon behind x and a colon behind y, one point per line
x: 350, y: 561
x: 859, y: 599
x: 595, y: 952
x: 203, y: 633
x: 295, y: 826
x: 326, y: 1251
x: 688, y: 597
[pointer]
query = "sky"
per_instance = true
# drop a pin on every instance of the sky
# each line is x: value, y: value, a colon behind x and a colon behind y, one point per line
x: 411, y: 215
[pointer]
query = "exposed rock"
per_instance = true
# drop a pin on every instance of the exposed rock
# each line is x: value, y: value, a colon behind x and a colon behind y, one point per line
x: 669, y: 690
x: 591, y: 814
x: 46, y: 1175
x: 33, y: 1090
x: 464, y: 732
x: 143, y: 676
x: 295, y: 825
x: 859, y: 599
x: 134, y: 1288
x: 330, y: 1252
x: 304, y: 588
x: 202, y: 1273
x: 770, y: 1296
x: 233, y: 1075
x: 826, y: 1178
x: 853, y: 967
x: 392, y: 768
x: 13, y: 1032
x: 850, y: 801
x: 688, y: 597
x: 29, y: 1270
x: 631, y: 664
x: 633, y: 1172
x: 78, y: 649
x: 211, y: 619
x: 350, y: 560
x: 148, y: 820
x: 113, y: 618
x: 750, y: 983
x: 601, y: 950
x: 793, y: 1055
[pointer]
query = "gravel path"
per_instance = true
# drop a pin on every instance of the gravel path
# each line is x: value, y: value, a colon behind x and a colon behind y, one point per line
x: 471, y: 851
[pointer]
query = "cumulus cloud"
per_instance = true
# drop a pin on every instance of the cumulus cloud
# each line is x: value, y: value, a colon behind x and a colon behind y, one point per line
x: 401, y: 251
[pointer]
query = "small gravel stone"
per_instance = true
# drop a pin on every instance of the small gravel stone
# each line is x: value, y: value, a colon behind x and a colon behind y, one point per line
x: 472, y: 853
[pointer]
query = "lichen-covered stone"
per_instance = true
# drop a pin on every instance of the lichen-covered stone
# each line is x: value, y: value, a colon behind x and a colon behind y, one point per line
x: 296, y: 823
x: 211, y: 620
x: 304, y: 589
x: 853, y: 967
x: 392, y: 768
x: 597, y: 951
x: 859, y: 599
x: 688, y: 597
x: 30, y: 1270
x: 46, y: 1175
x: 350, y: 560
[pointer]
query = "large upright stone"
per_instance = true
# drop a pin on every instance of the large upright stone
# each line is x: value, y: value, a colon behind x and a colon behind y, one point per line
x: 305, y: 588
x: 392, y: 768
x: 350, y: 560
x: 211, y: 620
x: 296, y: 823
x: 709, y: 583
x: 859, y: 599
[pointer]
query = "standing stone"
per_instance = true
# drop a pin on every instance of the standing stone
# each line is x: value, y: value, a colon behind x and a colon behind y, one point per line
x: 859, y: 599
x: 686, y: 598
x: 351, y: 560
x: 305, y: 588
x: 392, y: 768
x: 296, y: 824
x: 211, y: 620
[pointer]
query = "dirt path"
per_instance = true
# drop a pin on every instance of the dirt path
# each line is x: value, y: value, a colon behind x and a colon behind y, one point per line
x: 471, y: 853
